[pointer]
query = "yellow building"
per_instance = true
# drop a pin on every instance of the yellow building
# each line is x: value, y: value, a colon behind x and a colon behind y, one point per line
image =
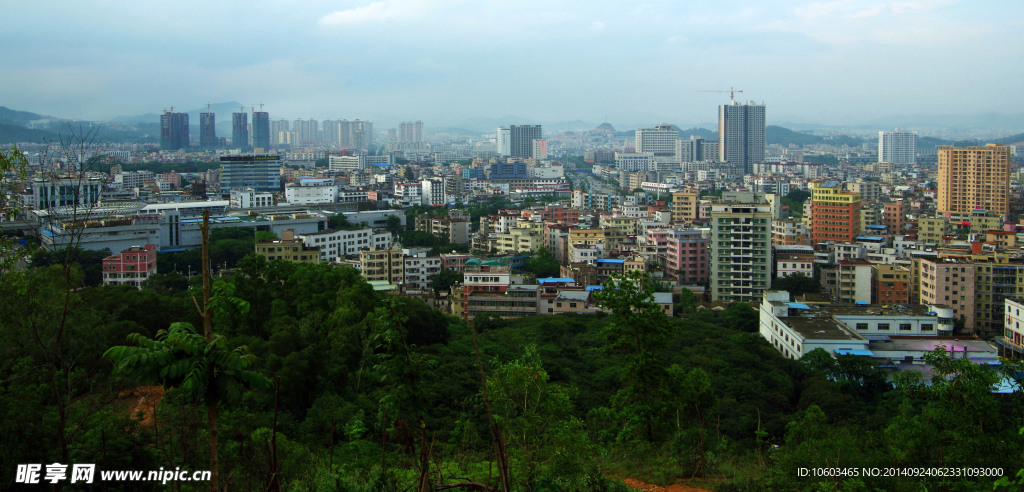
x: 685, y: 206
x: 289, y: 249
x: 972, y: 178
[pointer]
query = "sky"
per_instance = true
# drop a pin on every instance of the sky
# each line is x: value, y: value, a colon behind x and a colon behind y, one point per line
x: 445, y: 61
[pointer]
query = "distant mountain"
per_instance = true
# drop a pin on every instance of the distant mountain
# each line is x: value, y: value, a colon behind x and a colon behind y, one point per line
x: 700, y: 132
x: 777, y: 135
x: 20, y: 118
x: 1011, y: 140
x: 12, y: 134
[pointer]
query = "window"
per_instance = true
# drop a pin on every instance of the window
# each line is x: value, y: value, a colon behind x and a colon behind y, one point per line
x: 883, y: 326
x: 927, y: 327
x: 862, y: 326
x: 905, y: 327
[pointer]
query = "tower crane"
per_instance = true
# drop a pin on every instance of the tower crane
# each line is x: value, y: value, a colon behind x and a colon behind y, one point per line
x: 732, y: 93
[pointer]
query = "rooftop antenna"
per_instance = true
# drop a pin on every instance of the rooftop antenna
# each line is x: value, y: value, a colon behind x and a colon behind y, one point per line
x: 207, y: 107
x: 261, y: 107
x: 732, y: 93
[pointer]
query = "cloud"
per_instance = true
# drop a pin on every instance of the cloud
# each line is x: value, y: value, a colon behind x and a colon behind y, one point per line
x: 380, y: 11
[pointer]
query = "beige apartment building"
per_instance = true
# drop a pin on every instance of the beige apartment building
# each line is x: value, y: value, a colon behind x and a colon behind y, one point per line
x: 972, y: 178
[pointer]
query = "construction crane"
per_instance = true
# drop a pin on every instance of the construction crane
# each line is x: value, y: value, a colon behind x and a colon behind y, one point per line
x: 732, y: 93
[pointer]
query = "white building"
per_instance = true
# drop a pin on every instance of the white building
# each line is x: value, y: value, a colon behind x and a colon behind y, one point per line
x: 659, y: 141
x: 347, y: 163
x: 250, y: 198
x: 305, y: 191
x: 432, y: 192
x: 897, y: 147
x: 337, y: 244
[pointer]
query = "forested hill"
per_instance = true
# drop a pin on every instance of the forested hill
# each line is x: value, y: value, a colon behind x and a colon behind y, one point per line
x: 374, y: 392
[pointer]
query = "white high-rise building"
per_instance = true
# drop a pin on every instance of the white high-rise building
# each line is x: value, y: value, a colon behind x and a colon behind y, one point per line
x: 897, y: 147
x: 503, y: 140
x: 660, y: 140
x: 410, y: 131
x: 741, y: 134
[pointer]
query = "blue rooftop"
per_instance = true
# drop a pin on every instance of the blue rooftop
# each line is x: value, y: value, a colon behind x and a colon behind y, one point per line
x: 863, y: 352
x: 870, y: 238
x: 610, y: 260
x: 878, y: 227
x: 798, y: 305
x: 553, y: 280
x: 591, y: 288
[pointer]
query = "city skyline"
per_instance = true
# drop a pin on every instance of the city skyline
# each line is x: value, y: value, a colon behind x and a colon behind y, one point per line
x: 831, y: 62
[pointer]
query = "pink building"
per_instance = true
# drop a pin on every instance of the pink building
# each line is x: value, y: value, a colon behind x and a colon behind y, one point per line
x: 133, y: 266
x: 686, y: 257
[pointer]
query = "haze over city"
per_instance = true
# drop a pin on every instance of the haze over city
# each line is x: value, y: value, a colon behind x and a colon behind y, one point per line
x: 838, y: 63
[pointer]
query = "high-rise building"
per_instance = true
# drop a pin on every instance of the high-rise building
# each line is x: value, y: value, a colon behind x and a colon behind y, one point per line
x: 307, y: 132
x: 696, y: 149
x: 207, y: 130
x: 503, y: 140
x: 173, y: 131
x: 261, y: 172
x: 279, y: 132
x: 660, y: 140
x: 741, y: 134
x: 835, y: 213
x: 331, y: 130
x: 261, y: 131
x: 521, y: 139
x: 410, y: 131
x: 240, y: 130
x: 741, y: 253
x: 897, y: 147
x: 361, y: 135
x: 974, y: 179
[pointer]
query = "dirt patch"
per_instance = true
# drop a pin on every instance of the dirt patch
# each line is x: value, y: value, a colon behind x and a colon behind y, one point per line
x: 143, y: 401
x: 650, y: 487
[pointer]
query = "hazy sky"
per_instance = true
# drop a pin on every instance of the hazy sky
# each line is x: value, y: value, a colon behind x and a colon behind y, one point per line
x: 832, y: 62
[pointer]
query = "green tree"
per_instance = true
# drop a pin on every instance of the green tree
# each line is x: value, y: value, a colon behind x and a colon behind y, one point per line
x: 202, y: 366
x: 637, y: 329
x: 542, y: 264
x: 444, y: 280
x: 796, y: 284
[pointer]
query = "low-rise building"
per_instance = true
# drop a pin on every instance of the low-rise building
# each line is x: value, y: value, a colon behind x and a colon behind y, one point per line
x: 130, y: 267
x: 288, y: 248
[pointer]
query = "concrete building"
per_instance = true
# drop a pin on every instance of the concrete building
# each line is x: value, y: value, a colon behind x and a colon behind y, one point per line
x: 174, y: 131
x: 950, y: 282
x: 741, y: 265
x: 974, y: 178
x: 1012, y: 339
x: 250, y: 198
x: 835, y: 213
x: 240, y: 130
x: 130, y: 267
x: 741, y: 134
x: 261, y: 172
x: 336, y: 245
x: 288, y: 248
x: 308, y: 191
x: 897, y: 147
x: 659, y: 141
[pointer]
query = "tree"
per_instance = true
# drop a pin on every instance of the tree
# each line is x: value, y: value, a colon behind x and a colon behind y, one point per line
x: 443, y: 281
x: 637, y: 329
x: 542, y: 264
x: 202, y: 366
x: 796, y: 284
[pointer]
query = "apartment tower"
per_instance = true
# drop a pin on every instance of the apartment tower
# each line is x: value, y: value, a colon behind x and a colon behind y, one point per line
x: 974, y: 179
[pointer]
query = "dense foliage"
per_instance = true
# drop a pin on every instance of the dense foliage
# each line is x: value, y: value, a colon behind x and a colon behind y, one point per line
x: 384, y: 393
